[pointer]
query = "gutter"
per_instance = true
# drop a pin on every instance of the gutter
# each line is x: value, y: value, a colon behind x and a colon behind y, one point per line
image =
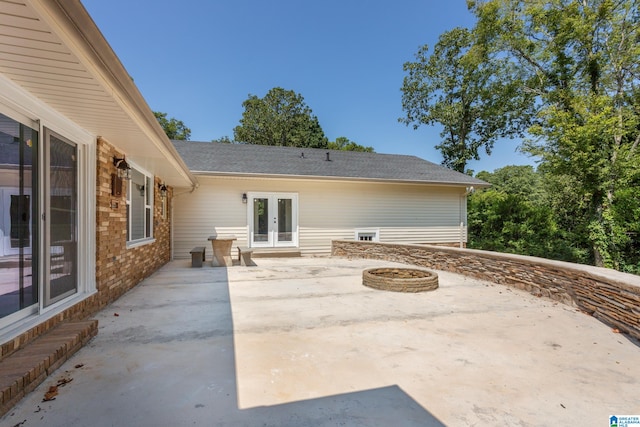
x: 339, y: 178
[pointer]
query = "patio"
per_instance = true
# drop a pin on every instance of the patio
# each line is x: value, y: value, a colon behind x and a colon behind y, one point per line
x: 300, y: 342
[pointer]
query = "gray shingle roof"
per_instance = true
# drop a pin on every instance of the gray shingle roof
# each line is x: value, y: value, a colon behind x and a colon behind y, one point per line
x: 213, y: 158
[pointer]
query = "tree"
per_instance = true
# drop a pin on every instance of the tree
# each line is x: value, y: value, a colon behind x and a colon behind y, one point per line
x: 464, y: 89
x: 280, y: 118
x: 345, y: 144
x: 223, y: 140
x: 520, y: 181
x: 515, y: 216
x: 175, y: 129
x: 581, y: 60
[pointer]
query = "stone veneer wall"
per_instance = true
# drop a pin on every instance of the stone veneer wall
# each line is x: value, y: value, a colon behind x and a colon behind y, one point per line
x: 610, y: 296
x: 118, y: 269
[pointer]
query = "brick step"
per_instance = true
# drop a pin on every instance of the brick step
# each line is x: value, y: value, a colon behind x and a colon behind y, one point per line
x: 24, y: 370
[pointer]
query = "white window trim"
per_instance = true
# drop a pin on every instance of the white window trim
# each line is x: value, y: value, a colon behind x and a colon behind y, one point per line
x: 145, y: 240
x: 375, y: 232
x: 23, y: 107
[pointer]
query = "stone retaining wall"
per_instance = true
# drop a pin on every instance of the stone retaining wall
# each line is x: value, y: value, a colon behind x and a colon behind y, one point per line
x: 610, y: 296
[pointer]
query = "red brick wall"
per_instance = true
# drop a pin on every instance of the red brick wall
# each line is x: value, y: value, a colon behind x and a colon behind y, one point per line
x: 118, y: 269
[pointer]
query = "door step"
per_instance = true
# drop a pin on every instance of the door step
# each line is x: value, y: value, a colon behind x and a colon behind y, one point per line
x: 276, y: 252
x: 29, y: 366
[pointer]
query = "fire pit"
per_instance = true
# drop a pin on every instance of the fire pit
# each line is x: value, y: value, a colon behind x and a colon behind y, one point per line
x: 400, y: 279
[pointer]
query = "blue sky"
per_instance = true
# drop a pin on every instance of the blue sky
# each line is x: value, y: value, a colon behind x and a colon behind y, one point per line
x: 199, y: 60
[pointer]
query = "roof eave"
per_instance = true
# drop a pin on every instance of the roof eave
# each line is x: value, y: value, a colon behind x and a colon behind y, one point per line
x: 338, y: 178
x: 71, y: 19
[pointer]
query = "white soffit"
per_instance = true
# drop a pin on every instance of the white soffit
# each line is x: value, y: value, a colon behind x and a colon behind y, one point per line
x: 53, y: 50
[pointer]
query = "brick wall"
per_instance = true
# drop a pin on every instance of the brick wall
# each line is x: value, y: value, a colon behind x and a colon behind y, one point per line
x: 610, y: 296
x: 118, y: 269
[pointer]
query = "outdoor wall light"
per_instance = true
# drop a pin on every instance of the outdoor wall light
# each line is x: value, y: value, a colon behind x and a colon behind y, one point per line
x: 244, y: 197
x: 123, y: 168
x: 163, y: 190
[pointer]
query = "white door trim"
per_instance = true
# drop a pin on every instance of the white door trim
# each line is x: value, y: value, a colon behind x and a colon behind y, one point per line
x: 272, y: 219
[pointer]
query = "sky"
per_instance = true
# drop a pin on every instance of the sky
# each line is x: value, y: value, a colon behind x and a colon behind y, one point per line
x: 198, y: 60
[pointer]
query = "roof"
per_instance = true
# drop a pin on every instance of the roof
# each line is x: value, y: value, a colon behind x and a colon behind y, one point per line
x: 213, y: 158
x: 55, y: 52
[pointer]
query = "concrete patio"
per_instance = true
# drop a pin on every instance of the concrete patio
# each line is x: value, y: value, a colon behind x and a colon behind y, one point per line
x: 300, y: 342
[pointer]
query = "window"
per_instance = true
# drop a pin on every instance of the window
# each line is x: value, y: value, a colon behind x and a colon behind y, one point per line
x: 139, y: 206
x: 367, y: 235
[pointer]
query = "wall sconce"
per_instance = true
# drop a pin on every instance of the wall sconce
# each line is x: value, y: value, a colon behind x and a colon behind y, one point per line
x: 244, y: 197
x: 123, y: 168
x: 163, y: 190
x: 141, y: 189
x: 116, y: 185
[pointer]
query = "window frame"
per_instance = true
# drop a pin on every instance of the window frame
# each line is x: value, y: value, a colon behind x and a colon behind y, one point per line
x: 148, y: 207
x: 16, y: 105
x: 367, y: 234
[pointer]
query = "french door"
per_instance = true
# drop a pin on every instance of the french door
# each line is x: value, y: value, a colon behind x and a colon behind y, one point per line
x: 273, y: 219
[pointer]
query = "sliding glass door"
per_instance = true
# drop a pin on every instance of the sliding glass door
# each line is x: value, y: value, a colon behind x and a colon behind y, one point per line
x: 62, y: 214
x: 38, y: 219
x: 19, y: 217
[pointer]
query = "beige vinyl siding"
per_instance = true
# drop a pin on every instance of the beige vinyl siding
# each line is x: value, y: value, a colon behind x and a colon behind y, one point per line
x: 328, y: 210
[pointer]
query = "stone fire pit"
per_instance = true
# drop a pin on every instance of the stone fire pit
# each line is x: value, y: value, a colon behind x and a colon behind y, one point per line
x: 400, y: 279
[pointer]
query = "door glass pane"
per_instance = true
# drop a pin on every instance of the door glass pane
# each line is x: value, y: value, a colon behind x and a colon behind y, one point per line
x: 63, y: 206
x: 260, y: 220
x: 285, y: 220
x: 18, y: 216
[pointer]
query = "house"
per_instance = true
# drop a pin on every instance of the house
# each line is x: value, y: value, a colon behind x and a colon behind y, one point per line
x: 75, y: 233
x: 94, y: 197
x: 300, y: 199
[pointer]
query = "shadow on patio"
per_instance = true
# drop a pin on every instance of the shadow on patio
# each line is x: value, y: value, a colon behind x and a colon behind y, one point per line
x: 300, y: 342
x: 165, y: 356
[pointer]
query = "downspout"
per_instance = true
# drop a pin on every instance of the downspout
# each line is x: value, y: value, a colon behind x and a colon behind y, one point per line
x: 175, y: 195
x: 464, y: 213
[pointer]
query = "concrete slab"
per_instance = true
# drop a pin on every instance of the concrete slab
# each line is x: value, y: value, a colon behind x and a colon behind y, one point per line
x: 300, y: 342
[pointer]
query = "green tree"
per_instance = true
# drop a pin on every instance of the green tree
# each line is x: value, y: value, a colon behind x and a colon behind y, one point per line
x: 175, y: 129
x: 515, y: 216
x: 521, y: 181
x: 345, y: 144
x: 280, y: 118
x: 463, y: 88
x: 582, y: 61
x: 224, y: 140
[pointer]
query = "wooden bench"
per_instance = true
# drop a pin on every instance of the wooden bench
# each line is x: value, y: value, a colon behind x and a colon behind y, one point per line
x: 244, y: 256
x: 197, y: 256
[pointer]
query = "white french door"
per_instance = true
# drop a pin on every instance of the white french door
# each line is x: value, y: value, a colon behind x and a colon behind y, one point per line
x: 273, y: 219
